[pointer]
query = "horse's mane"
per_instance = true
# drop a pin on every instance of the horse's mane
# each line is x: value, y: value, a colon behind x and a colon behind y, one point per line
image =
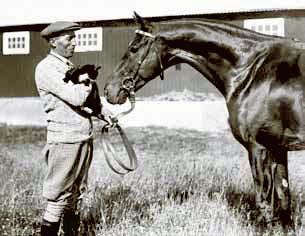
x: 229, y: 28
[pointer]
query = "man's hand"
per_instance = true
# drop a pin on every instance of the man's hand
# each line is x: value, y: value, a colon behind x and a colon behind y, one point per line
x: 108, y: 116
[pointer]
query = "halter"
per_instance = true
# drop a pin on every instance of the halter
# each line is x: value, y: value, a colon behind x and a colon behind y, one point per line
x: 159, y: 57
x: 129, y: 82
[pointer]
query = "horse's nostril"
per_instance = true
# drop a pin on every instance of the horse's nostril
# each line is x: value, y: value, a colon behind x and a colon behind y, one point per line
x: 105, y: 92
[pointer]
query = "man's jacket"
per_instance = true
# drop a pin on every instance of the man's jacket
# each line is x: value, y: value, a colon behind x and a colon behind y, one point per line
x: 61, y: 101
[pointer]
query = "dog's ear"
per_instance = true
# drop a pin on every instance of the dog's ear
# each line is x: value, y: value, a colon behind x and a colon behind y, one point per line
x: 144, y: 24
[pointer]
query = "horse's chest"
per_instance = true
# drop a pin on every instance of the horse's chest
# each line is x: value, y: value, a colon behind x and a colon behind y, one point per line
x: 277, y: 114
x: 249, y: 114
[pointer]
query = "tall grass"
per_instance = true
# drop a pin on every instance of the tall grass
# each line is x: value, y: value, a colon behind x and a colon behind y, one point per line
x: 188, y: 183
x: 20, y: 181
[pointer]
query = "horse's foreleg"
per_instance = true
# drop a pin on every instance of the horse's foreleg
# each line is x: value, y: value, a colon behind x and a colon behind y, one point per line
x: 270, y: 174
x: 281, y: 188
x: 261, y: 165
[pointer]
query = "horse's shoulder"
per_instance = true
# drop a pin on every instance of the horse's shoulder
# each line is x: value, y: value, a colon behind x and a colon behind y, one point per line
x: 284, y: 52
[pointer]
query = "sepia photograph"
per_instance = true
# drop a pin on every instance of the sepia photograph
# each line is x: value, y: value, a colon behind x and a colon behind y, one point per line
x: 152, y: 118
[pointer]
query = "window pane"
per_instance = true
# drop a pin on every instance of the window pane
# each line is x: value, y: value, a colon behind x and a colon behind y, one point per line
x: 267, y: 25
x: 17, y: 42
x: 90, y: 39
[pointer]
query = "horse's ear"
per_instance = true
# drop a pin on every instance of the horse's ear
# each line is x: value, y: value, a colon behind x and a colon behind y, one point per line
x: 144, y: 25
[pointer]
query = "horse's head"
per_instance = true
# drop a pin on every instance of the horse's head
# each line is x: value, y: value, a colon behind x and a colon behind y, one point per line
x: 142, y: 62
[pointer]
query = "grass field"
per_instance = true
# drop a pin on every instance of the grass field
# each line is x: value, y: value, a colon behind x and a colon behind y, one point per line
x: 188, y: 183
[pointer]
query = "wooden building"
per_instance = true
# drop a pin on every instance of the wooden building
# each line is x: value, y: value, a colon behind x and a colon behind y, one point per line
x: 103, y: 42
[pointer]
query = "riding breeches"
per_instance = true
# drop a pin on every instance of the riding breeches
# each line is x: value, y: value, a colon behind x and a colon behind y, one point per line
x: 66, y: 178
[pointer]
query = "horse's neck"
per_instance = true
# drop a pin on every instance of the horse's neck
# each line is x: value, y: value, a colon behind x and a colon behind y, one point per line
x: 199, y: 63
x: 223, y: 54
x: 225, y: 77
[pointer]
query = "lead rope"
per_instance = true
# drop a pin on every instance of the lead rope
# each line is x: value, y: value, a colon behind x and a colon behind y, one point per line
x: 108, y: 147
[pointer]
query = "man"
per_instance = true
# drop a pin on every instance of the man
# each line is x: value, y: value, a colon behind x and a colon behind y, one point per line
x: 69, y: 148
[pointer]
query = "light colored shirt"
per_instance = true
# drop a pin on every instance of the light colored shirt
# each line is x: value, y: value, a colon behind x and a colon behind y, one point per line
x: 61, y: 101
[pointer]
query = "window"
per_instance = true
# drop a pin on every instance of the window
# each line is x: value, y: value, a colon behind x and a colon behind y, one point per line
x: 178, y: 66
x: 271, y: 26
x: 16, y: 43
x: 89, y: 39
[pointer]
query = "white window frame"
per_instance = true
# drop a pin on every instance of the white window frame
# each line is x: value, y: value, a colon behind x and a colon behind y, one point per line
x: 271, y: 26
x: 89, y: 39
x: 16, y: 43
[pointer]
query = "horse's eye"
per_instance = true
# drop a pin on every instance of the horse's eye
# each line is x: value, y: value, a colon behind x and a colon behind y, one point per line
x: 133, y: 49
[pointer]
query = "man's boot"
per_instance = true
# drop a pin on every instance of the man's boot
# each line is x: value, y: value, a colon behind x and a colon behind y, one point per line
x: 70, y: 224
x: 49, y: 228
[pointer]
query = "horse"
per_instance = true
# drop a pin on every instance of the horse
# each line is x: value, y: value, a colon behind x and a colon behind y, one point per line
x: 261, y: 77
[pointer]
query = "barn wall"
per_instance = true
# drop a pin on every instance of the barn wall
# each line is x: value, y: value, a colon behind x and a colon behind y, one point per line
x: 17, y: 71
x: 115, y: 42
x: 294, y: 28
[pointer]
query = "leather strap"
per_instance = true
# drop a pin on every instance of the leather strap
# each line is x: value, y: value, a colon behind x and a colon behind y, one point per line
x: 110, y: 153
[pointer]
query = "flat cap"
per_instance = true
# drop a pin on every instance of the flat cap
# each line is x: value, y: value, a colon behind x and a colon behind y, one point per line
x: 58, y: 27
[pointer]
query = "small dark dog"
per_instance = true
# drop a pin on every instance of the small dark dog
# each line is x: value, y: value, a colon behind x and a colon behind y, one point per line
x: 92, y: 106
